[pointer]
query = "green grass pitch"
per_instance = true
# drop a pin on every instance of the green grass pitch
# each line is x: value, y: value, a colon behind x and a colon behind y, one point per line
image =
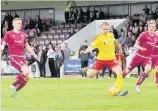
x: 78, y: 94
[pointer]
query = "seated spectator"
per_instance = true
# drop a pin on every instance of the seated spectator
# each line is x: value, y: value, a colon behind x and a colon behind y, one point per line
x: 133, y: 40
x: 123, y: 39
x: 135, y: 28
x: 157, y: 23
x: 140, y: 30
x: 15, y: 15
x: 131, y: 28
x: 29, y: 26
x: 92, y: 17
x: 5, y: 28
x: 151, y: 15
x: 146, y: 10
x: 129, y: 20
x: 80, y: 15
x: 72, y: 32
x: 143, y: 17
x: 129, y: 39
x: 141, y: 23
x: 146, y: 28
x: 73, y: 16
x: 135, y: 19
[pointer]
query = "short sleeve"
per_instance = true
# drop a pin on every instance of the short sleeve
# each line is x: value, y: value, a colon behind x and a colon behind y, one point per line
x: 140, y: 38
x: 6, y: 37
x: 95, y: 42
x: 25, y: 38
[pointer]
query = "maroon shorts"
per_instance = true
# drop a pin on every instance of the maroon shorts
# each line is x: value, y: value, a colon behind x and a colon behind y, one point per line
x: 100, y: 64
x: 138, y: 60
x: 17, y: 62
x: 155, y: 62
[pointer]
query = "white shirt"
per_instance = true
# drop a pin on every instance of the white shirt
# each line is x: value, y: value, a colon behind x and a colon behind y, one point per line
x: 50, y: 53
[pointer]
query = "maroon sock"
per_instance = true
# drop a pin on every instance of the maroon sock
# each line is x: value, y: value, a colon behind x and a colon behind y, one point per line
x: 19, y: 77
x: 156, y: 77
x: 21, y: 85
x: 141, y: 79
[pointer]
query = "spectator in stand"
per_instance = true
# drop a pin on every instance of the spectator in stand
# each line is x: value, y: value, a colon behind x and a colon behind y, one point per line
x: 140, y: 30
x: 67, y: 52
x: 146, y: 10
x: 135, y: 28
x: 38, y: 24
x: 36, y: 47
x: 84, y: 57
x: 86, y: 15
x: 129, y: 20
x: 80, y: 15
x: 5, y: 28
x: 123, y: 39
x: 99, y: 14
x: 131, y: 28
x: 129, y: 39
x: 114, y: 31
x: 92, y: 17
x: 72, y: 32
x: 15, y: 15
x: 141, y: 23
x: 58, y: 61
x: 92, y: 9
x: 135, y: 20
x: 29, y: 26
x: 156, y: 13
x: 157, y: 23
x: 9, y: 19
x: 73, y: 15
x: 145, y: 28
x: 51, y: 60
x: 42, y: 55
x: 133, y: 40
x: 143, y: 17
x: 151, y: 15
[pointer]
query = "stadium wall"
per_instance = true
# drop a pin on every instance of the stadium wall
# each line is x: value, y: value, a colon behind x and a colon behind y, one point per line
x: 59, y: 7
x: 90, y: 31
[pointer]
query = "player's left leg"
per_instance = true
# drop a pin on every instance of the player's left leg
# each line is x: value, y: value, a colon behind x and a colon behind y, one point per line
x: 156, y: 75
x: 116, y: 68
x: 142, y: 77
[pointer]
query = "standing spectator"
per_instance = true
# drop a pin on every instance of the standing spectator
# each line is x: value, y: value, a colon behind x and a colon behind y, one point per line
x: 100, y: 14
x: 84, y: 57
x: 31, y: 23
x: 80, y: 15
x: 72, y: 32
x: 86, y: 15
x: 151, y: 15
x: 156, y: 13
x: 143, y: 17
x: 62, y: 55
x: 67, y: 52
x: 42, y: 55
x: 73, y: 16
x: 5, y: 28
x: 38, y: 24
x: 92, y: 17
x: 15, y: 15
x: 114, y: 31
x: 9, y: 19
x: 135, y: 28
x: 129, y: 20
x: 58, y: 56
x: 92, y: 9
x: 123, y: 39
x: 50, y: 56
x: 36, y: 47
x: 146, y: 10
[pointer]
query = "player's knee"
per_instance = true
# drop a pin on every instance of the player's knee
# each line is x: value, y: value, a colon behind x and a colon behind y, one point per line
x: 147, y: 68
x: 91, y: 73
x: 156, y: 69
x: 25, y: 70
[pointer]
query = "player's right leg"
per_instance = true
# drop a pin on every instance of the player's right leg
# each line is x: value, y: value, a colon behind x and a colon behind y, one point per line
x: 156, y: 75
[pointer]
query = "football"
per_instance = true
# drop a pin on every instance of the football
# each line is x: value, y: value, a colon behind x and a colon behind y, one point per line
x: 112, y: 91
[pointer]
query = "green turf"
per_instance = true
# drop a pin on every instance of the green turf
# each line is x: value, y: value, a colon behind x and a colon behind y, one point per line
x: 78, y: 94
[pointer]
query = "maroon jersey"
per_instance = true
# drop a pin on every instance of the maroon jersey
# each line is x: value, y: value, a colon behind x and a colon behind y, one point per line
x: 147, y: 41
x: 16, y: 42
x: 155, y: 50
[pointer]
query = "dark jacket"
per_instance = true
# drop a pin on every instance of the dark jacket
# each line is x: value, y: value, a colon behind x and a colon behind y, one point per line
x: 43, y: 57
x: 84, y: 57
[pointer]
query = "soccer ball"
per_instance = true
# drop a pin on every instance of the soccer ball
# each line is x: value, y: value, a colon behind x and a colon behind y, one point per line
x: 112, y: 91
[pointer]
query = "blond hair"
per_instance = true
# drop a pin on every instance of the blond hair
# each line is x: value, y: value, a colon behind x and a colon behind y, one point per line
x: 16, y: 19
x: 151, y: 22
x: 105, y: 23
